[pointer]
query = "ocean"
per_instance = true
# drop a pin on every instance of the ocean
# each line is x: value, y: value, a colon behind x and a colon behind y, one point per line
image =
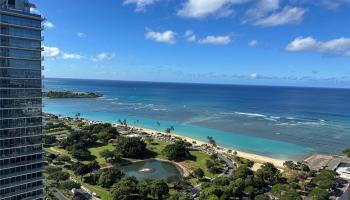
x: 280, y: 122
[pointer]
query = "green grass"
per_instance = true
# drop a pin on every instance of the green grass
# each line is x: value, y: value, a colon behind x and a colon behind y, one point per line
x: 95, y: 151
x: 157, y: 146
x: 199, y: 162
x: 102, y: 193
x: 57, y: 150
x: 57, y: 133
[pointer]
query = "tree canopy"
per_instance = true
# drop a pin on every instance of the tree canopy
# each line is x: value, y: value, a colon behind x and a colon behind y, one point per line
x: 177, y: 151
x: 109, y: 176
x: 126, y: 189
x: 131, y: 147
x: 347, y: 152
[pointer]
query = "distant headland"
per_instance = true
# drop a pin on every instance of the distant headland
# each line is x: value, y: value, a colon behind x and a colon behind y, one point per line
x: 69, y: 94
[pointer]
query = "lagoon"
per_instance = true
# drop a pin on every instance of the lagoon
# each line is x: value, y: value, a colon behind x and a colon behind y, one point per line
x: 151, y: 169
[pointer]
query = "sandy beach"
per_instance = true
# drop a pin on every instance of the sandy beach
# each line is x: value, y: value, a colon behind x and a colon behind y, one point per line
x: 258, y: 159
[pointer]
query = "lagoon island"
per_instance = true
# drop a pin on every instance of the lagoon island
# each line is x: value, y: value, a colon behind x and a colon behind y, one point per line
x: 69, y: 94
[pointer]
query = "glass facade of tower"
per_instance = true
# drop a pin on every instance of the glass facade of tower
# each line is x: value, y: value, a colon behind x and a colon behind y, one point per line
x: 20, y: 102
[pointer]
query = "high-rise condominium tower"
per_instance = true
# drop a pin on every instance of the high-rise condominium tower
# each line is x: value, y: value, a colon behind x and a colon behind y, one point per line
x: 20, y: 102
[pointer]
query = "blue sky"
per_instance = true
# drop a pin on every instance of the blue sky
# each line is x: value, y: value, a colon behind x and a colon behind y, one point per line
x: 263, y: 42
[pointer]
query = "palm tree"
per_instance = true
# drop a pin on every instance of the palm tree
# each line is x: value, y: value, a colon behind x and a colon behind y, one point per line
x: 211, y: 141
x: 77, y: 116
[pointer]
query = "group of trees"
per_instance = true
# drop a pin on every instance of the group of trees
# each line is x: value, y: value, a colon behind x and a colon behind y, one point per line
x: 103, y: 131
x: 78, y: 141
x: 347, y: 152
x: 214, y: 165
x: 169, y: 130
x: 111, y: 156
x: 198, y: 173
x: 56, y: 126
x: 244, y: 183
x: 82, y: 169
x: 122, y: 187
x: 211, y: 141
x: 131, y: 147
x: 325, y: 182
x: 284, y: 191
x: 60, y: 178
x: 108, y: 177
x: 178, y: 151
x: 68, y: 94
x: 296, y: 166
x: 130, y: 188
x: 56, y: 174
x: 49, y: 140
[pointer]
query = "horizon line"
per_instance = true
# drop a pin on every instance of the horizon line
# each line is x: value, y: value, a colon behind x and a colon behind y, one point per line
x: 203, y: 83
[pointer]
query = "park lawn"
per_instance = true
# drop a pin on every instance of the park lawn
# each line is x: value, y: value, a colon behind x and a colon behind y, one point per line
x: 55, y: 133
x: 95, y: 151
x: 199, y: 162
x: 102, y: 193
x: 157, y: 146
x: 56, y: 150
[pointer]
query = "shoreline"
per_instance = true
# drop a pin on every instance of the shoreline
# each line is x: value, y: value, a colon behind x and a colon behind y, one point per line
x: 258, y: 159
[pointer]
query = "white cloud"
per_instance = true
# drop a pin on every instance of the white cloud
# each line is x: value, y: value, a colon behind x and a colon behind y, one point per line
x: 166, y: 36
x: 51, y: 52
x: 253, y: 76
x: 302, y: 44
x: 35, y: 11
x: 204, y: 8
x: 48, y: 24
x: 260, y: 10
x: 332, y: 4
x: 81, y: 35
x: 103, y: 57
x: 253, y: 43
x: 190, y: 36
x: 141, y: 5
x: 288, y: 15
x: 216, y: 40
x: 339, y: 46
x: 71, y: 56
x: 56, y: 53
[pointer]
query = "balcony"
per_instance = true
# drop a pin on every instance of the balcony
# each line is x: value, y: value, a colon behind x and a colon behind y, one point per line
x: 21, y: 14
x: 19, y: 192
x: 20, y: 154
x: 22, y: 163
x: 14, y: 184
x: 15, y: 174
x: 21, y: 48
x: 24, y: 27
x: 18, y: 58
x: 21, y: 37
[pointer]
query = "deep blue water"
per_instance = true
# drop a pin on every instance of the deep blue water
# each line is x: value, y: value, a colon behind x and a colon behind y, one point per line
x: 283, y: 122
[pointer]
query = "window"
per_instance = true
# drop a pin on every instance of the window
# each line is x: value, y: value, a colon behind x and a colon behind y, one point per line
x: 12, y: 3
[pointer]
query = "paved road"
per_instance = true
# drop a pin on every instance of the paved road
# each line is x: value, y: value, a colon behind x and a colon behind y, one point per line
x: 231, y: 167
x: 58, y: 194
x: 346, y: 195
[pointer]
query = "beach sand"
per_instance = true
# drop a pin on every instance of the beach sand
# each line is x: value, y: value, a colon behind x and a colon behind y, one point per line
x: 258, y: 159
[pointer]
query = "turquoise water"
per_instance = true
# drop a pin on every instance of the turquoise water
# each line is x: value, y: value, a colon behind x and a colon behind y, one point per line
x: 158, y: 170
x: 276, y: 149
x: 282, y: 122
